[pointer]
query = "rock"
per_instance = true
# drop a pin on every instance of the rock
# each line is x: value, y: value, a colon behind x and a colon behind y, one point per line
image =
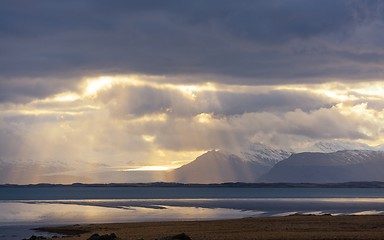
x: 181, y: 236
x: 96, y: 236
x: 33, y: 237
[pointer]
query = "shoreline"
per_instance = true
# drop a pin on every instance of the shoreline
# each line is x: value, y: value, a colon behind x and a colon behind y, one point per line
x: 287, y: 227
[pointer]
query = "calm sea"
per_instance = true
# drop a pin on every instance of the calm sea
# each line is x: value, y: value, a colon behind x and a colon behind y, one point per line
x: 22, y: 208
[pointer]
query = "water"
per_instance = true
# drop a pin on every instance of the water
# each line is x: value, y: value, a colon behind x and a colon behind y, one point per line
x: 68, y: 192
x: 23, y: 208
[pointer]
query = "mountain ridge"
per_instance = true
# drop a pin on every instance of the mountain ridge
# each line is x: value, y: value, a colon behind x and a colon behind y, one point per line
x: 218, y: 166
x: 340, y: 166
x: 256, y: 162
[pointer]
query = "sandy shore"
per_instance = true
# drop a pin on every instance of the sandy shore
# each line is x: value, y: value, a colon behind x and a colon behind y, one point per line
x: 290, y: 227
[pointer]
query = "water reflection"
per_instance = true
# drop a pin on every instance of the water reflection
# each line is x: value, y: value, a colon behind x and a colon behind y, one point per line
x: 57, y: 213
x: 95, y: 211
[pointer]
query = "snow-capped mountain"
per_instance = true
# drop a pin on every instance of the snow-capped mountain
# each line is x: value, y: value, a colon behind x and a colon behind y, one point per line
x: 326, y: 161
x: 220, y: 166
x: 264, y: 155
x: 341, y: 166
x: 379, y: 147
x: 334, y: 146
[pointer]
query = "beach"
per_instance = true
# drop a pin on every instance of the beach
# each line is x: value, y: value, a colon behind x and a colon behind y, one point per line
x: 288, y: 227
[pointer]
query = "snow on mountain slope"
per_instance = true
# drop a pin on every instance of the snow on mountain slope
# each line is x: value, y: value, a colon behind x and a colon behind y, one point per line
x: 220, y: 166
x: 334, y: 146
x: 325, y: 161
x: 341, y: 166
x: 379, y: 147
x: 264, y: 155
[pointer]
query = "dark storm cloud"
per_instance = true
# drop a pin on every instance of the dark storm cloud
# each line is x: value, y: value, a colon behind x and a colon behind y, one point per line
x: 24, y: 90
x: 255, y: 42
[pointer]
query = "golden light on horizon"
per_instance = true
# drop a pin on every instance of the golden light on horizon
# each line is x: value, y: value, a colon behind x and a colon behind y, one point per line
x: 148, y: 168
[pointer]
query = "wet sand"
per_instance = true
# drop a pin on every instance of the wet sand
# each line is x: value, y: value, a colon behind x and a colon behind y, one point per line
x: 290, y: 227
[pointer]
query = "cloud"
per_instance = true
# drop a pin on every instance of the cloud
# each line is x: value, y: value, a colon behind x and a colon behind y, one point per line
x: 140, y: 83
x: 208, y: 131
x: 164, y: 125
x: 274, y: 42
x: 323, y: 124
x: 24, y: 90
x: 138, y: 116
x: 272, y: 101
x: 211, y: 119
x: 136, y: 101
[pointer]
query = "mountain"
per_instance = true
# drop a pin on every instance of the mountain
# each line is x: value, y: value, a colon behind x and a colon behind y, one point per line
x: 219, y: 166
x: 215, y: 167
x: 337, y: 145
x: 379, y: 148
x: 334, y: 146
x: 264, y: 155
x: 340, y: 166
x: 33, y: 171
x: 325, y: 161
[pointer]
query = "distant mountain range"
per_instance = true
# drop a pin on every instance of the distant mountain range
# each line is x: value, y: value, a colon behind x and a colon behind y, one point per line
x: 340, y: 166
x: 220, y: 166
x: 322, y: 162
x: 334, y: 146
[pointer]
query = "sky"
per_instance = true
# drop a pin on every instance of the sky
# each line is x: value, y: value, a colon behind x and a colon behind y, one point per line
x: 117, y: 91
